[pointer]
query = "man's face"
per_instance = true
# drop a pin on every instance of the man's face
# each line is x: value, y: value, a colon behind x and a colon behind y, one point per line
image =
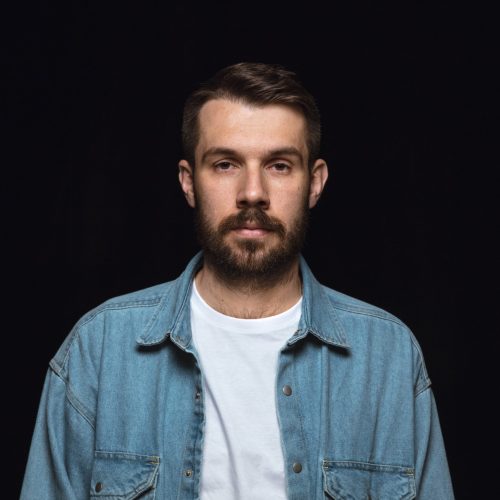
x: 251, y: 188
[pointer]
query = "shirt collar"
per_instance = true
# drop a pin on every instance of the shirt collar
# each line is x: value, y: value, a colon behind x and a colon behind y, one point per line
x: 172, y: 316
x: 319, y: 316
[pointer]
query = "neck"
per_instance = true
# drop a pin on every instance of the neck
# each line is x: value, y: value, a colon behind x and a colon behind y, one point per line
x: 249, y: 299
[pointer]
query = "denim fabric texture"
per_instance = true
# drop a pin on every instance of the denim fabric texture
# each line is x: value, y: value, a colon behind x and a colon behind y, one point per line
x: 121, y: 414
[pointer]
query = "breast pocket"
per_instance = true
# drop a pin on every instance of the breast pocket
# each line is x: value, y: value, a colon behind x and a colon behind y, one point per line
x: 124, y: 476
x: 366, y: 481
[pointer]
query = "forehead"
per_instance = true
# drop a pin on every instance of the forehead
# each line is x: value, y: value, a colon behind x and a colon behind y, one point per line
x: 226, y: 123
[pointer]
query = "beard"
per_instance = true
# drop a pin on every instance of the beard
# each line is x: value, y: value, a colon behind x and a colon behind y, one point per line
x: 249, y: 262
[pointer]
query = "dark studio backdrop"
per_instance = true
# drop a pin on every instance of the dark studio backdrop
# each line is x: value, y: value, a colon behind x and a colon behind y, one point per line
x: 93, y: 208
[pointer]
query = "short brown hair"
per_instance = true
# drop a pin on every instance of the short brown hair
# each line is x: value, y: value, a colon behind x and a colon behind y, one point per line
x: 257, y: 84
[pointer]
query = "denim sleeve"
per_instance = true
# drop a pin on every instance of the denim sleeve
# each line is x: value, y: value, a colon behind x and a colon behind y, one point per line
x: 61, y: 455
x: 432, y: 474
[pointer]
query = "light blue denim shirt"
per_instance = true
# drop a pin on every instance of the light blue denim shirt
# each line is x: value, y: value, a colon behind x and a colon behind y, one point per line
x: 122, y: 409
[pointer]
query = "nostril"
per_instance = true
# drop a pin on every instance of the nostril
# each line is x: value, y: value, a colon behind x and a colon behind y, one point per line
x: 248, y: 203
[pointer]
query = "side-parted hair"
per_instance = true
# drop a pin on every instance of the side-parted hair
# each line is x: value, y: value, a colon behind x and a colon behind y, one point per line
x: 255, y: 84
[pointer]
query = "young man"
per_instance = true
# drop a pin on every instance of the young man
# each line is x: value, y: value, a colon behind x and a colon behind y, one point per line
x: 244, y: 378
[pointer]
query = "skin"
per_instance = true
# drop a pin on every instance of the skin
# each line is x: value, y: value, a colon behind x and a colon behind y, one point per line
x: 251, y: 156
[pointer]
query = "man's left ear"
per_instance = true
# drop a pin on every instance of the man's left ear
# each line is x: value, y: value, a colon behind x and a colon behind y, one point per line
x: 319, y: 175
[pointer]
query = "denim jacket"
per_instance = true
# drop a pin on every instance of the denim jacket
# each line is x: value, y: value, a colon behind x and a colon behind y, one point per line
x: 122, y: 409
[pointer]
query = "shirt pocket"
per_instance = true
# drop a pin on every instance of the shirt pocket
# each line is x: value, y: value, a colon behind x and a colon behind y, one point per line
x: 344, y: 480
x: 124, y: 476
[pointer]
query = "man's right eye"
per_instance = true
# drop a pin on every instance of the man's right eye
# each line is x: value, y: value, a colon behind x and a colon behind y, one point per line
x: 223, y: 165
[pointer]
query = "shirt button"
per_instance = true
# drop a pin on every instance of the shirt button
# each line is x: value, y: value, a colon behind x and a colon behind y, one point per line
x: 98, y: 487
x: 287, y: 390
x: 188, y: 472
x: 197, y: 395
x: 297, y: 467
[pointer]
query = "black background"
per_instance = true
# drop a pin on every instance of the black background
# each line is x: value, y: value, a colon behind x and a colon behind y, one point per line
x: 92, y: 206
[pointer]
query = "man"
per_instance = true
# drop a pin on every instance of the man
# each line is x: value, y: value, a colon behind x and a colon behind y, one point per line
x: 244, y: 378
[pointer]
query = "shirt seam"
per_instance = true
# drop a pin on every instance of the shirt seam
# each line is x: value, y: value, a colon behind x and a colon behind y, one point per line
x: 91, y: 316
x: 368, y: 312
x: 425, y: 380
x: 115, y: 306
x: 423, y: 389
x: 73, y: 401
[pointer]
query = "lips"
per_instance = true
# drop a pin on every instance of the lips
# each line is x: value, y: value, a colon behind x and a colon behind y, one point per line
x: 251, y: 230
x: 253, y: 227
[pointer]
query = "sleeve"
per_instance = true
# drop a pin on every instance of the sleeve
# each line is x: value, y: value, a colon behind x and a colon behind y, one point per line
x: 62, y: 448
x: 432, y: 475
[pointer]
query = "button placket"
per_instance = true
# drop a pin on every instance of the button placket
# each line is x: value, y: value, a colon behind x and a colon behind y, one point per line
x: 291, y: 425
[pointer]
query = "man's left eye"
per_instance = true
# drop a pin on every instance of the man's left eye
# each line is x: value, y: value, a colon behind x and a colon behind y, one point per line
x: 280, y: 167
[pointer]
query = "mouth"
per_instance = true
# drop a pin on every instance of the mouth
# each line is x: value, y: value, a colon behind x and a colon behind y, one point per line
x: 250, y: 230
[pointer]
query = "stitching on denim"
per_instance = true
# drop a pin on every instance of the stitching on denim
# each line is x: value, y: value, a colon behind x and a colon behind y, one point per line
x: 74, y: 335
x: 383, y: 315
x: 185, y: 299
x: 79, y: 407
x: 298, y: 406
x: 187, y: 296
x: 92, y: 315
x: 368, y: 312
x: 56, y: 368
x: 355, y: 463
x: 425, y: 384
x: 425, y: 380
x: 144, y: 486
x: 340, y: 336
x: 67, y: 346
x: 160, y: 307
x: 115, y: 306
x: 127, y: 454
x: 187, y: 434
x: 422, y: 390
x: 187, y: 442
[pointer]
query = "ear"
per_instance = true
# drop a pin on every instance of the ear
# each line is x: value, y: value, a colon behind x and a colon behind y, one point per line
x: 186, y: 180
x: 319, y: 175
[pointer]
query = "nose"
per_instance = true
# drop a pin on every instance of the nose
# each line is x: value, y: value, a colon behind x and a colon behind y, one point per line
x: 252, y: 190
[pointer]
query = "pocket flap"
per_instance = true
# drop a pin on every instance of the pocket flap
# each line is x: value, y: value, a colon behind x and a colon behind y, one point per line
x: 122, y: 476
x: 344, y: 480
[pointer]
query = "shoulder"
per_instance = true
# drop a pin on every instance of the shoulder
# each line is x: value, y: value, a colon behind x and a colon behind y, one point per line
x: 138, y: 299
x: 119, y: 318
x: 349, y: 306
x: 372, y: 329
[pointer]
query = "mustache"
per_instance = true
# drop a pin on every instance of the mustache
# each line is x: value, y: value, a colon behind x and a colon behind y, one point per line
x: 252, y: 215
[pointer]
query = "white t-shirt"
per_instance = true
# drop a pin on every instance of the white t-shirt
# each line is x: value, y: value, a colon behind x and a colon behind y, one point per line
x: 242, y: 455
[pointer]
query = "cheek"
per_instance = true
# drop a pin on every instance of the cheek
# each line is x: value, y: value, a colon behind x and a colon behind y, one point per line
x: 292, y: 201
x: 213, y: 206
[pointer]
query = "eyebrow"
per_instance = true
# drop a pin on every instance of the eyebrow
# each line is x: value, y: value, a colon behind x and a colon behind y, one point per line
x: 285, y: 151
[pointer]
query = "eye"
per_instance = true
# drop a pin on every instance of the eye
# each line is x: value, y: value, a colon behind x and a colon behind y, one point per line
x: 280, y: 167
x: 224, y: 165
